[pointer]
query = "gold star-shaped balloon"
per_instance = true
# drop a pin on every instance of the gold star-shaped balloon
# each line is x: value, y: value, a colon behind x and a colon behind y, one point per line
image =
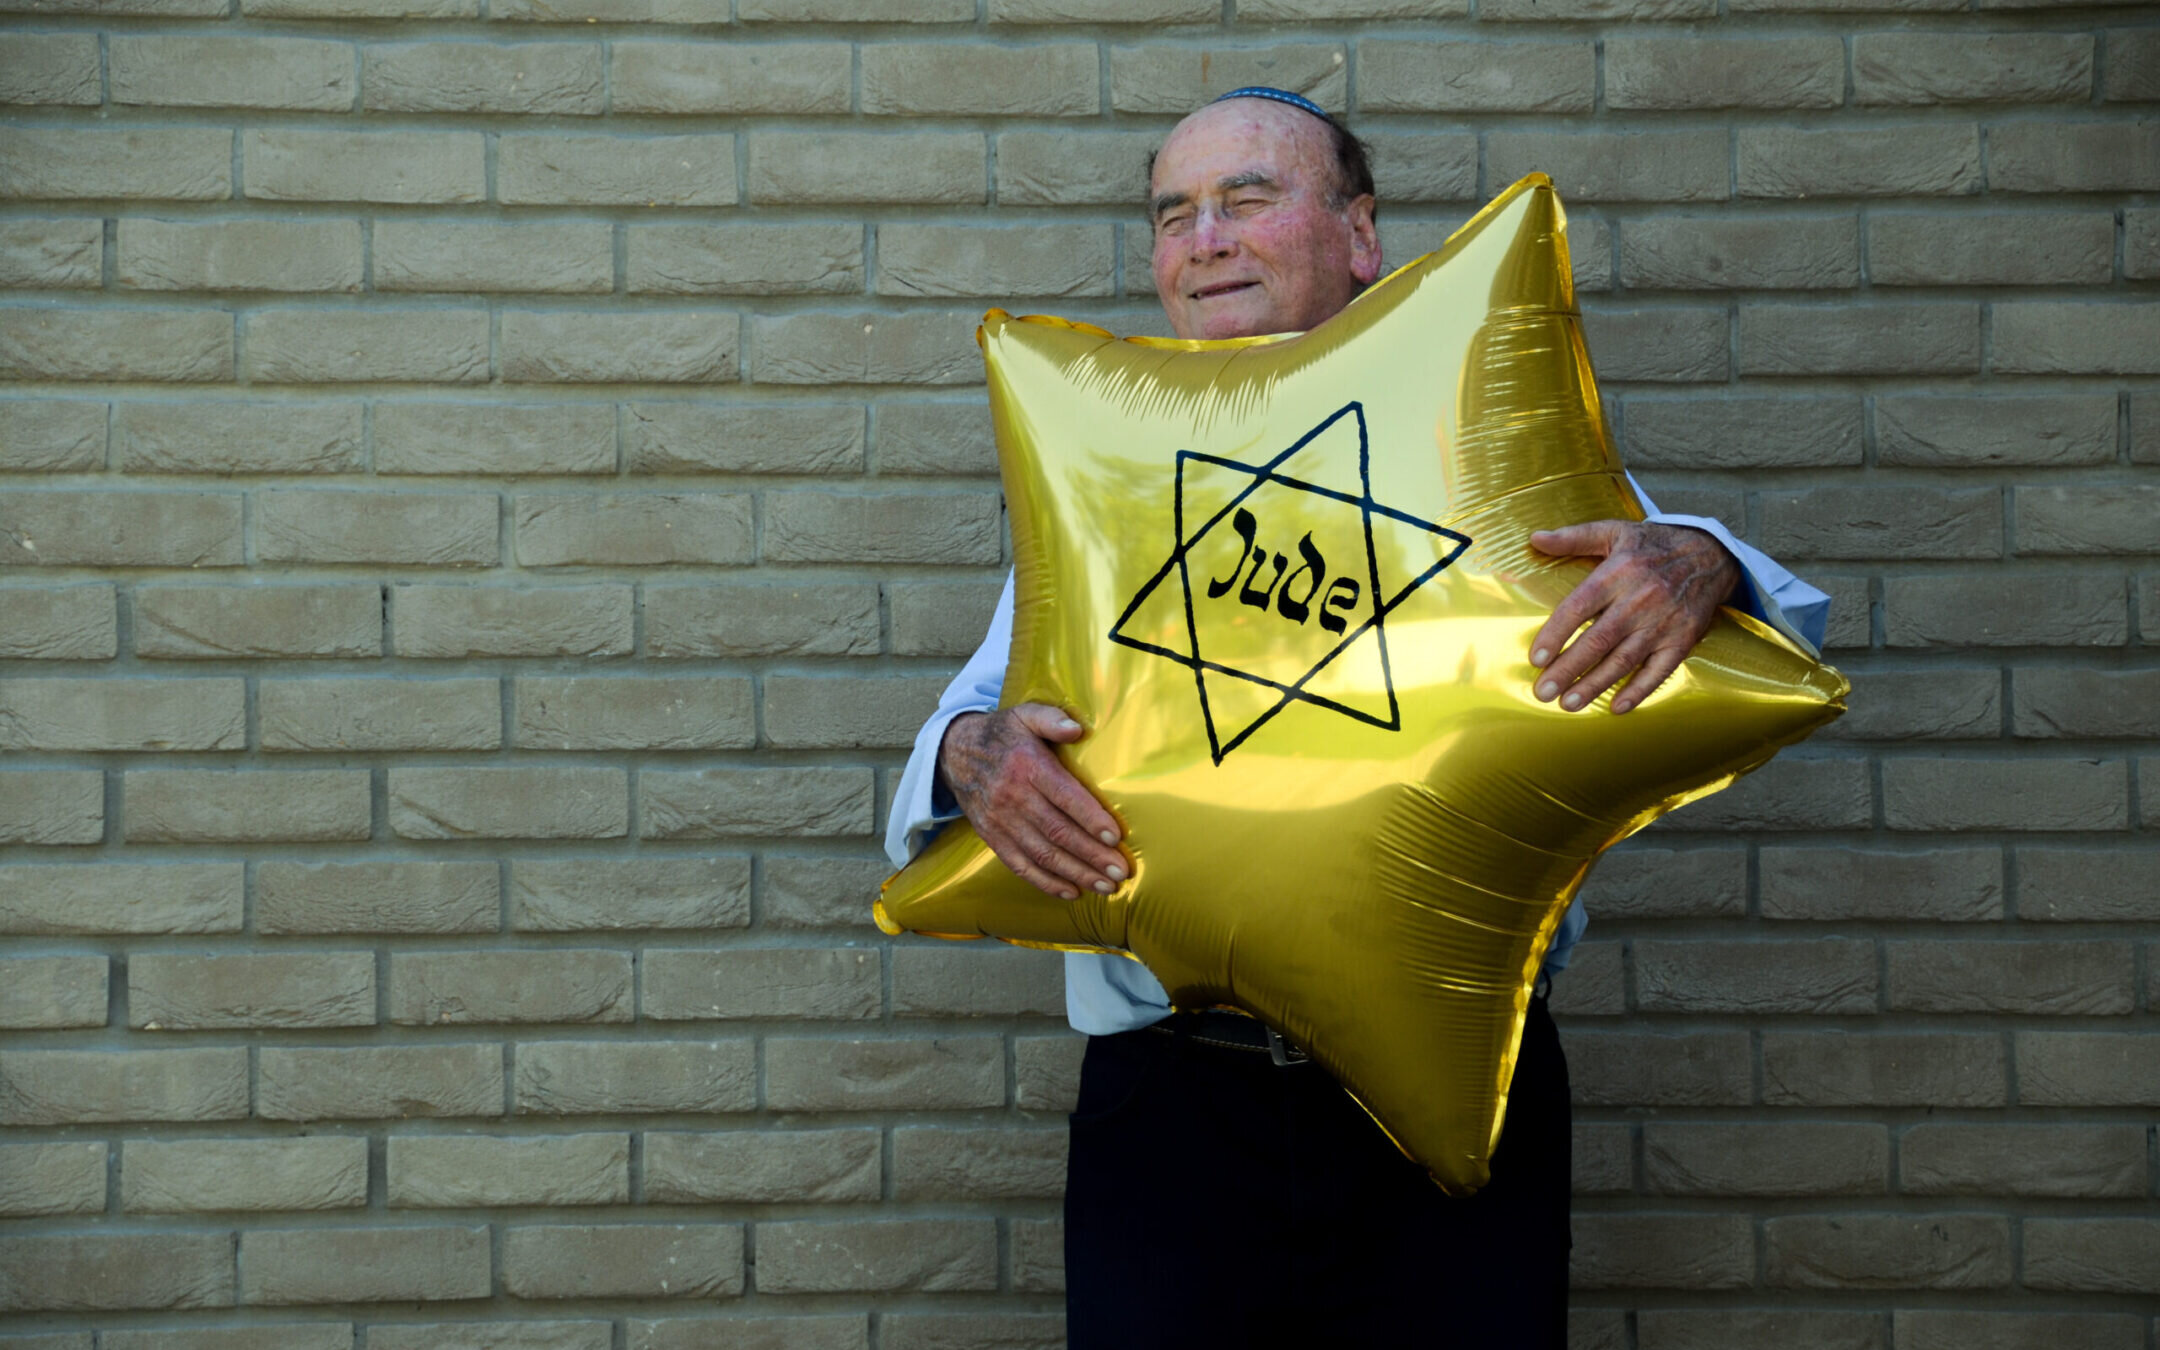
x: 1288, y: 586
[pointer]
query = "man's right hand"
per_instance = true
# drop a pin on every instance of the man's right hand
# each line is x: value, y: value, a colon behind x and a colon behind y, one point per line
x: 1027, y: 807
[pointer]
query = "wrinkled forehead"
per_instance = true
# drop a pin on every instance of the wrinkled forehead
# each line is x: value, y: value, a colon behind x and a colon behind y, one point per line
x: 1237, y: 136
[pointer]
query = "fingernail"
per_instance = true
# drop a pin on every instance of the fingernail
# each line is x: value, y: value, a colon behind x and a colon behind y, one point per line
x: 1067, y: 724
x: 1109, y: 837
x: 1540, y: 657
x: 1572, y: 701
x: 1114, y: 872
x: 1072, y: 895
x: 1547, y: 689
x: 1104, y: 887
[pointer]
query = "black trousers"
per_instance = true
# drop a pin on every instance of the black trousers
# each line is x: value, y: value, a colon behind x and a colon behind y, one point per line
x: 1218, y: 1200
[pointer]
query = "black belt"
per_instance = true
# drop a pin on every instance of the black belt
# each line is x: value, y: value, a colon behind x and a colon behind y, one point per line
x: 1223, y: 1029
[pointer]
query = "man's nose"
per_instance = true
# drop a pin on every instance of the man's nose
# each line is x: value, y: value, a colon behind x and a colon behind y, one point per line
x: 1213, y: 236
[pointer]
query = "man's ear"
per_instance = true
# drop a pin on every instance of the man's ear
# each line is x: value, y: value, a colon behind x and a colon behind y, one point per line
x: 1364, y: 239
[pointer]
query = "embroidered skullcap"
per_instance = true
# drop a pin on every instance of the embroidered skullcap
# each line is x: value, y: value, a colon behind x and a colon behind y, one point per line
x: 1278, y: 96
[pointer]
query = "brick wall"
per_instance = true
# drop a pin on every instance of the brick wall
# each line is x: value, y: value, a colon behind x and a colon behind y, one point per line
x: 489, y: 487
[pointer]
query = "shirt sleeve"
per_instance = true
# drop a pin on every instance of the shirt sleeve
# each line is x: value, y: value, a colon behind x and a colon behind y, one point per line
x: 921, y: 806
x: 1767, y: 590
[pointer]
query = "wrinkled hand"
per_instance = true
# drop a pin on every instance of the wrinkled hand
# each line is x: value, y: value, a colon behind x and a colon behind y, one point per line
x: 1648, y: 603
x: 1026, y: 805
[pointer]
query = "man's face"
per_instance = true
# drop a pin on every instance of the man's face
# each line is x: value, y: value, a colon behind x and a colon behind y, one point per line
x: 1248, y: 236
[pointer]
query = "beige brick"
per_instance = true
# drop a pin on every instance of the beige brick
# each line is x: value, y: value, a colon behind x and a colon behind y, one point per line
x: 723, y: 803
x: 2141, y: 244
x: 305, y: 346
x: 1052, y: 79
x: 68, y: 623
x: 461, y: 621
x: 222, y: 805
x: 939, y: 1163
x: 1073, y: 168
x: 1997, y: 609
x: 2111, y: 704
x: 2073, y: 157
x: 443, y: 529
x: 703, y: 1260
x: 379, y: 1082
x: 2030, y: 978
x: 462, y: 1172
x: 50, y: 68
x: 493, y: 438
x: 1779, y: 1328
x: 115, y: 344
x: 1931, y: 69
x: 2087, y: 1068
x: 1858, y: 522
x: 941, y: 980
x: 380, y: 714
x: 1960, y: 431
x: 519, y: 1335
x: 547, y: 78
x: 1610, y: 1068
x: 42, y: 1179
x: 1942, y: 1329
x: 122, y: 714
x: 51, y: 435
x: 55, y: 254
x: 509, y: 803
x: 635, y: 1077
x: 228, y: 437
x: 609, y: 11
x: 934, y: 438
x: 576, y: 894
x: 191, y: 164
x: 640, y: 529
x: 920, y: 347
x: 746, y: 982
x: 45, y: 993
x: 109, y: 1272
x: 184, y: 991
x: 1998, y: 248
x: 761, y: 620
x: 2117, y: 518
x: 579, y: 346
x: 1397, y: 76
x: 2046, y: 337
x: 820, y: 892
x: 1046, y: 1072
x: 1647, y: 166
x: 625, y: 713
x: 363, y: 166
x: 121, y: 898
x: 435, y: 255
x: 218, y: 622
x: 2049, y: 1160
x: 835, y: 167
x: 1038, y: 1255
x: 2004, y: 794
x: 466, y: 987
x: 1168, y: 78
x: 794, y: 259
x: 935, y: 619
x: 1750, y: 1158
x: 918, y: 1255
x: 692, y: 437
x: 947, y: 528
x: 1823, y: 977
x: 181, y: 1176
x: 843, y: 712
x: 955, y: 260
x: 52, y: 806
x: 1736, y: 253
x: 1663, y: 345
x: 1695, y: 72
x: 349, y: 9
x: 762, y: 1167
x: 178, y: 70
x: 1441, y: 167
x: 83, y: 1087
x: 1923, y: 705
x: 1155, y: 12
x: 1923, y: 160
x: 944, y: 1073
x: 832, y: 1331
x: 2133, y: 58
x: 117, y: 529
x: 1936, y: 1069
x: 1880, y: 339
x: 376, y: 897
x: 2077, y: 885
x: 1887, y: 1251
x: 363, y: 1265
x: 730, y: 79
x: 534, y: 169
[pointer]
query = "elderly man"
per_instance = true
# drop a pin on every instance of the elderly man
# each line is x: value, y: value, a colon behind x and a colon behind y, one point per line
x: 1223, y: 1191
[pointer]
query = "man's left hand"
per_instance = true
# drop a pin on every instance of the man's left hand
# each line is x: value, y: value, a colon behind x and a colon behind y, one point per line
x: 1648, y: 603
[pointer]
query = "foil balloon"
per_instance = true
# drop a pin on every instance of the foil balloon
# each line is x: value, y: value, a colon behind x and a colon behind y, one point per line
x: 1287, y: 585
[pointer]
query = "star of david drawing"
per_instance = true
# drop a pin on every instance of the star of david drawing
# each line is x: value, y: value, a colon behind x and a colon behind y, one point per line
x: 1345, y: 616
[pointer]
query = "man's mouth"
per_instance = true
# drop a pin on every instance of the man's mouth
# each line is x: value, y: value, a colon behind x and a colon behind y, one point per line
x: 1222, y: 288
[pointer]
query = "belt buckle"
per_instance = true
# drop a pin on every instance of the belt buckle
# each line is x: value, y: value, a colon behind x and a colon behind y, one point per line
x: 1281, y: 1051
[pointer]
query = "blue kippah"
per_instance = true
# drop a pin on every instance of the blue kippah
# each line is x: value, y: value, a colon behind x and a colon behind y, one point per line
x: 1277, y: 96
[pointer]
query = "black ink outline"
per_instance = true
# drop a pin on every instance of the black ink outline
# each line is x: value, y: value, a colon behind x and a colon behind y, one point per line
x: 1262, y: 475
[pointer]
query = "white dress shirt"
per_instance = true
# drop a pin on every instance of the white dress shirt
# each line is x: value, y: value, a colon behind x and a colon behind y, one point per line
x: 1107, y: 994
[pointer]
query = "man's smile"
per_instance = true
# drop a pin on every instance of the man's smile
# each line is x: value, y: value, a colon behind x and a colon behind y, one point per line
x: 1215, y: 290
